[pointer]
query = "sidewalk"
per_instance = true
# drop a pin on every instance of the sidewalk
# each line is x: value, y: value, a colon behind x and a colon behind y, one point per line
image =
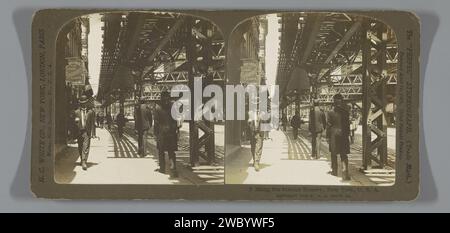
x: 288, y: 161
x: 115, y: 161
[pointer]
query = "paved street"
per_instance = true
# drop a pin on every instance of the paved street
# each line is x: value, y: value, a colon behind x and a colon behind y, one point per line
x: 115, y: 161
x: 291, y: 163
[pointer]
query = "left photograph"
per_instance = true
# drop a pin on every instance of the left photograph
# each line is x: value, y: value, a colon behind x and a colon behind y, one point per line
x: 113, y: 124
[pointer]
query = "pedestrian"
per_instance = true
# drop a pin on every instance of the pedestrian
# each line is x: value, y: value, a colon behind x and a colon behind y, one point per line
x: 91, y: 106
x: 143, y: 123
x: 84, y: 118
x: 317, y: 124
x: 284, y: 121
x: 101, y: 117
x: 120, y: 121
x: 165, y: 130
x: 256, y: 137
x: 354, y: 125
x: 295, y: 124
x: 108, y: 120
x: 97, y: 119
x: 338, y: 131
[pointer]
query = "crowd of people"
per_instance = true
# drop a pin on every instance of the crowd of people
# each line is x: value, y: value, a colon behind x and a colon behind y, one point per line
x: 338, y: 125
x: 165, y: 128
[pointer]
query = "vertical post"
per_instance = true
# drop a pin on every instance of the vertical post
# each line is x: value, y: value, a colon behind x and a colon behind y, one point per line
x: 210, y: 146
x: 366, y: 102
x: 297, y: 101
x: 121, y: 102
x: 381, y: 92
x: 193, y: 129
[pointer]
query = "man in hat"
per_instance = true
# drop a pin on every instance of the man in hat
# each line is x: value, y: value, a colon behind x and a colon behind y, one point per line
x: 166, y: 133
x: 284, y: 121
x: 338, y: 132
x: 256, y: 137
x: 120, y: 121
x: 295, y: 123
x: 317, y: 124
x: 143, y: 123
x: 109, y: 120
x: 84, y: 118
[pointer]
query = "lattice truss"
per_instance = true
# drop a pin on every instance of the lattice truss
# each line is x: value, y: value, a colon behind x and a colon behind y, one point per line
x: 328, y: 47
x: 345, y: 54
x: 375, y: 69
x: 151, y: 49
x: 164, y: 81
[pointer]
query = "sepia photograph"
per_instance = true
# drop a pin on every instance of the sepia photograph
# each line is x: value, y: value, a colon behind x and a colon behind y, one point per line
x: 336, y: 75
x: 225, y: 105
x: 113, y: 123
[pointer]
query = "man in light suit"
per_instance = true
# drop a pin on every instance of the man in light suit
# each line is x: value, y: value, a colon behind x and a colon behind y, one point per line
x: 143, y: 123
x: 317, y: 123
x: 256, y: 137
x: 85, y: 121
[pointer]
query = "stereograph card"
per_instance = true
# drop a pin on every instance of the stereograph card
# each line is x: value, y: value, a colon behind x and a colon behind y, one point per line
x: 225, y: 105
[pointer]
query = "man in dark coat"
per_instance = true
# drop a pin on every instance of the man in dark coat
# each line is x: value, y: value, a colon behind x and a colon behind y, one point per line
x: 108, y: 120
x: 84, y: 119
x: 143, y: 123
x: 284, y: 121
x: 295, y: 123
x: 120, y: 120
x: 338, y: 132
x: 317, y: 124
x: 166, y: 133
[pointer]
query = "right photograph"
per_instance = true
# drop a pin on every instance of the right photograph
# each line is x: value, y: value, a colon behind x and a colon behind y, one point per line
x: 336, y: 79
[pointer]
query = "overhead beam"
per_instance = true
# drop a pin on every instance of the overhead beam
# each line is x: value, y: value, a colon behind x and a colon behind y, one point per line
x: 312, y: 29
x: 315, y: 27
x: 131, y: 48
x: 344, y: 40
x: 354, y: 28
x: 166, y: 39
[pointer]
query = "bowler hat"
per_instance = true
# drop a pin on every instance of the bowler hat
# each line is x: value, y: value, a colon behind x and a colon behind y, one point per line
x: 338, y: 97
x: 165, y: 94
x: 83, y: 99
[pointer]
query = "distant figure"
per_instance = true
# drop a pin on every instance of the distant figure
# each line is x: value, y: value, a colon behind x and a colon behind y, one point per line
x: 296, y: 123
x: 94, y: 129
x: 338, y: 132
x: 284, y: 121
x: 101, y: 118
x: 354, y: 125
x: 256, y: 137
x: 97, y: 119
x: 166, y: 134
x: 84, y: 119
x: 108, y: 120
x: 120, y: 121
x: 317, y: 124
x: 143, y: 122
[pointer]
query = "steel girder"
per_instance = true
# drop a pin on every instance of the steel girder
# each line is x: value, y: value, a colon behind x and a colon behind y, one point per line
x: 374, y: 103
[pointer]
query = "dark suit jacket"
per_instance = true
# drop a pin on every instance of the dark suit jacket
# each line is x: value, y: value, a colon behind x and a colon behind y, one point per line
x: 89, y: 120
x: 338, y: 130
x: 120, y: 120
x: 165, y: 128
x: 296, y: 121
x: 143, y: 118
x: 317, y: 120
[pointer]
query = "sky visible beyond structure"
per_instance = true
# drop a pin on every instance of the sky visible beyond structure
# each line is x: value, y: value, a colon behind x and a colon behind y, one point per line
x: 272, y: 46
x: 95, y: 43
